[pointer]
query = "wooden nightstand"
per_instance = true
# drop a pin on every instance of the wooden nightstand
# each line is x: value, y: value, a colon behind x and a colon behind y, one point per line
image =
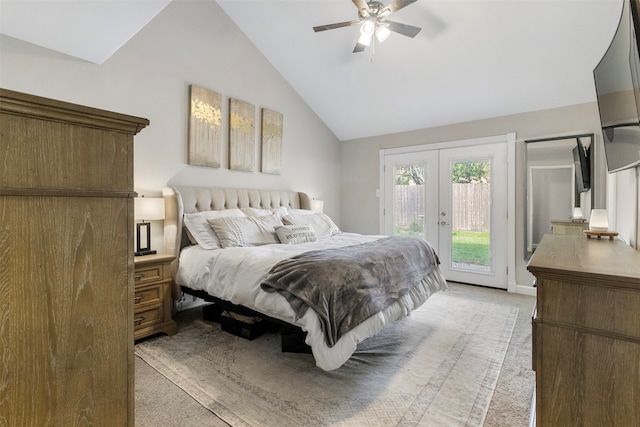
x: 152, y: 301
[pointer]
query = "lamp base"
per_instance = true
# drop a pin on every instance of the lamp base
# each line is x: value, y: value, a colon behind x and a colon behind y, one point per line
x: 141, y: 253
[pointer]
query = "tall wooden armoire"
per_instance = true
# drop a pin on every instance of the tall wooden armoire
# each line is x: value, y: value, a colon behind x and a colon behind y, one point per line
x: 66, y: 263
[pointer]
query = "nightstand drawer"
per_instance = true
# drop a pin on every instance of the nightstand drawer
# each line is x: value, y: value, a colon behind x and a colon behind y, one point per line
x: 148, y: 317
x: 147, y: 295
x: 150, y: 274
x: 152, y: 302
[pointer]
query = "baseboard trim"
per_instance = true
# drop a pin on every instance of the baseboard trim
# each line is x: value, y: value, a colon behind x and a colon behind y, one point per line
x: 526, y: 290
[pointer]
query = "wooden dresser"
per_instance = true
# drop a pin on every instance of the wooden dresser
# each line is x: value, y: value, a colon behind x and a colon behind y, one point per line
x: 569, y: 227
x: 586, y: 332
x: 66, y: 263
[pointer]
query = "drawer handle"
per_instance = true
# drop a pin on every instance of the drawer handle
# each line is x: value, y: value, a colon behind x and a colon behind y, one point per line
x: 137, y: 299
x: 138, y: 276
x: 138, y: 320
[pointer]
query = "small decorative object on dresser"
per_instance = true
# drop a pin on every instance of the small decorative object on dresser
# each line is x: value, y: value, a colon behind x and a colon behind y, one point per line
x: 599, y: 225
x: 152, y: 301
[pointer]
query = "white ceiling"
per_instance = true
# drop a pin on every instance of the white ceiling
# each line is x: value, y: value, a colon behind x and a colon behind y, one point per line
x: 92, y: 30
x: 474, y: 59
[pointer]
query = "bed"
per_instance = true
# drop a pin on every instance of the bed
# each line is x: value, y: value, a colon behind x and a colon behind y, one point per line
x: 249, y: 270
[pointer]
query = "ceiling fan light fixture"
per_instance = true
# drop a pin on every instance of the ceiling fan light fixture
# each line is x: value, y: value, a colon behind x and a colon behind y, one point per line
x: 368, y: 27
x: 382, y: 32
x: 372, y: 15
x: 365, y: 39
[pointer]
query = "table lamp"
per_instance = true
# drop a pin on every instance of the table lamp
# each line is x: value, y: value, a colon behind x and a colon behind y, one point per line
x: 317, y: 205
x: 598, y: 221
x: 146, y: 209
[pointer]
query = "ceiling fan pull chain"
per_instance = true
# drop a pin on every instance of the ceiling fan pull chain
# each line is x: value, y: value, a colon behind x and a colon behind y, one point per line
x: 373, y: 48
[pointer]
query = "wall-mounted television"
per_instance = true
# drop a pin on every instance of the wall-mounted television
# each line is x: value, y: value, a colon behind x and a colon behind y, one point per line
x: 582, y: 162
x: 617, y: 80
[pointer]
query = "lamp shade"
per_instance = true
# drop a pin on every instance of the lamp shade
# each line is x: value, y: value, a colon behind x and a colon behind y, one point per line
x: 149, y: 208
x: 317, y: 205
x: 599, y: 220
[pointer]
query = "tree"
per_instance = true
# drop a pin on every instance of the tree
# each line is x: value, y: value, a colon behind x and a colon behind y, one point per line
x: 470, y: 172
x: 409, y: 175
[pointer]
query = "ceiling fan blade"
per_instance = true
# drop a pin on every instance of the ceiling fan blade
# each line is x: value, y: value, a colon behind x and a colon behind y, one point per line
x: 336, y: 25
x: 404, y: 29
x: 394, y: 7
x: 363, y: 8
x: 359, y: 47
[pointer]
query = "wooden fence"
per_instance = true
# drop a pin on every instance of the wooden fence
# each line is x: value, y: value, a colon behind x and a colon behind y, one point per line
x: 471, y: 203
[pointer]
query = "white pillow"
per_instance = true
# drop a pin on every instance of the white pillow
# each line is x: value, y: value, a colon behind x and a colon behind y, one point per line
x: 293, y: 211
x: 320, y: 222
x: 199, y: 230
x: 281, y: 211
x: 295, y: 234
x: 246, y: 231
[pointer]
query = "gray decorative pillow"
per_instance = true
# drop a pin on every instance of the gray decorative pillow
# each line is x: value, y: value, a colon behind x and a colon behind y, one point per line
x: 200, y: 232
x: 295, y: 234
x: 245, y: 231
x: 320, y: 222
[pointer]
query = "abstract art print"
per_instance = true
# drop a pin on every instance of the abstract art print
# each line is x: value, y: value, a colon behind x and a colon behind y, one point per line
x: 272, y: 122
x: 242, y: 135
x: 205, y: 127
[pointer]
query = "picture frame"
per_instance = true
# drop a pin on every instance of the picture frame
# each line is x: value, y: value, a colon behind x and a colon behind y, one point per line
x: 242, y: 135
x: 272, y: 131
x: 205, y: 127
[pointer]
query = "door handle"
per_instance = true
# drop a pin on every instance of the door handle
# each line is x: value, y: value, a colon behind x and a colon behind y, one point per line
x: 444, y: 223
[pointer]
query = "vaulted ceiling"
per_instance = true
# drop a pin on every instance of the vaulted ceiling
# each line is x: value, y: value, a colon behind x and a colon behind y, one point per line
x: 472, y: 60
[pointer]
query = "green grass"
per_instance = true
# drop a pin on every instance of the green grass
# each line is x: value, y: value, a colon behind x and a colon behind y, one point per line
x: 407, y: 232
x: 469, y: 247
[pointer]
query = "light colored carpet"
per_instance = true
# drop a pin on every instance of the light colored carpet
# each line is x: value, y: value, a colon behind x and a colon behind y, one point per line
x: 437, y: 367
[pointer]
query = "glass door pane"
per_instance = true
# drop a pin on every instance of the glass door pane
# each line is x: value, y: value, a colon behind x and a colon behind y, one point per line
x: 411, y: 195
x: 471, y: 215
x: 408, y: 200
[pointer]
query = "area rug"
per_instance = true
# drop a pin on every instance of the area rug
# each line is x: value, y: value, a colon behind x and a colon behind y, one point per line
x: 437, y: 367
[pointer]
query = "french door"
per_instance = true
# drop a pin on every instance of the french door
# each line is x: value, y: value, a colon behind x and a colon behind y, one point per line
x: 455, y: 198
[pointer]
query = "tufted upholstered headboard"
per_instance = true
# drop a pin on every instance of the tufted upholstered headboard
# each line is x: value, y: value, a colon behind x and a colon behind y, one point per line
x: 180, y: 199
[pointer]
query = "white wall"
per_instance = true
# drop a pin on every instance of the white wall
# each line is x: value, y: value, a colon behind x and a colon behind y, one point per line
x: 194, y: 42
x: 623, y: 205
x: 189, y: 42
x: 360, y: 167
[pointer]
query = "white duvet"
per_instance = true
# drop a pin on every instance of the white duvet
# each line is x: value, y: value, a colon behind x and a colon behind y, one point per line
x: 234, y: 274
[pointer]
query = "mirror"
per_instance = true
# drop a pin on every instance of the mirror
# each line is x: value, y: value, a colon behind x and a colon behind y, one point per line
x: 558, y: 187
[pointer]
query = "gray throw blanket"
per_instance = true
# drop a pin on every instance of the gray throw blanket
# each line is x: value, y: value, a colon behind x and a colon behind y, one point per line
x: 347, y: 285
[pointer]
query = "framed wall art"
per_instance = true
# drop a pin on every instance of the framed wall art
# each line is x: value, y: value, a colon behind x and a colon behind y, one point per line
x: 205, y: 127
x: 272, y: 122
x: 242, y: 135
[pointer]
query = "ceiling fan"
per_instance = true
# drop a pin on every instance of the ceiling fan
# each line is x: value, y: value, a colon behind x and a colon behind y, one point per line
x: 372, y: 17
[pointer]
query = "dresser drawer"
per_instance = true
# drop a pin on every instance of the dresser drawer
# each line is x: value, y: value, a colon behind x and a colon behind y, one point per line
x: 148, y: 317
x: 592, y: 304
x: 147, y: 295
x: 148, y: 274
